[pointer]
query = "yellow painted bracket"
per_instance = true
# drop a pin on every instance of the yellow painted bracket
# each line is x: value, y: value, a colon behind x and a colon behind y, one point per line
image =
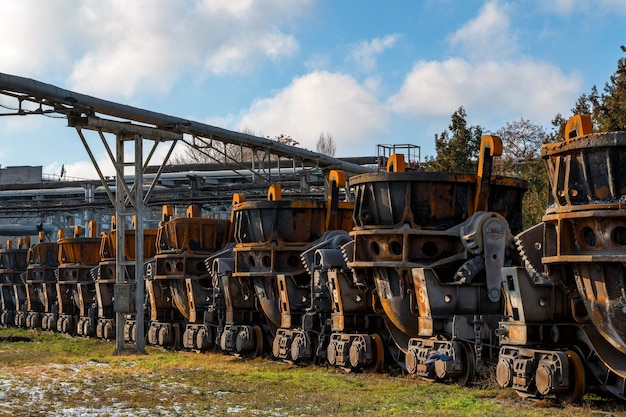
x: 166, y: 213
x: 238, y: 198
x: 274, y: 193
x: 396, y: 163
x: 578, y: 125
x: 193, y: 211
x: 93, y: 228
x: 490, y: 146
x: 338, y: 177
x: 336, y: 180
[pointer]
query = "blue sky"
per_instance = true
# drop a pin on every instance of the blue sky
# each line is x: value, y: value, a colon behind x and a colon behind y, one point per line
x: 363, y: 71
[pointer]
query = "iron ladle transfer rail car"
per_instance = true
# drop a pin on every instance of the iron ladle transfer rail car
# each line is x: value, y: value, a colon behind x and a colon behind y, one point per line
x: 76, y: 288
x: 433, y: 245
x: 565, y: 330
x: 262, y: 288
x: 13, y: 263
x: 41, y: 292
x: 105, y: 278
x: 347, y: 309
x: 178, y: 284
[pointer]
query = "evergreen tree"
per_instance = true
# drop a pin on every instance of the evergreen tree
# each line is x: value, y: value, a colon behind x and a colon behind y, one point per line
x: 583, y: 104
x: 612, y: 104
x: 458, y: 147
x: 558, y: 129
x: 607, y: 110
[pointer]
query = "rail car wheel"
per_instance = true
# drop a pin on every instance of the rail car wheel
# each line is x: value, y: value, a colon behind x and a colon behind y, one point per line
x: 258, y: 334
x: 576, y: 390
x: 469, y: 365
x: 379, y: 352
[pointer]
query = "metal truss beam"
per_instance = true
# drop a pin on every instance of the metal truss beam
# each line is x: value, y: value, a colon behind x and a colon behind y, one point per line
x: 75, y: 104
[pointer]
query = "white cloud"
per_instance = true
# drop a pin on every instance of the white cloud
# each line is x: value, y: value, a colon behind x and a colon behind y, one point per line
x: 487, y: 36
x: 235, y: 8
x: 32, y: 35
x: 317, y: 62
x: 365, y: 54
x: 486, y: 78
x: 116, y: 47
x: 562, y: 6
x: 317, y: 103
x: 240, y: 54
x: 613, y: 5
x: 503, y: 90
x: 568, y: 7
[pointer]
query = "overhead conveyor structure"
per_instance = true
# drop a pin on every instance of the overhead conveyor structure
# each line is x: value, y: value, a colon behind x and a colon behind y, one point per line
x: 132, y: 127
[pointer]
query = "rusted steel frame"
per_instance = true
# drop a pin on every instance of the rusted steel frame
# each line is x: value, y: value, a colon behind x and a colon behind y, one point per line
x: 411, y: 246
x: 96, y: 166
x: 273, y: 252
x: 223, y: 153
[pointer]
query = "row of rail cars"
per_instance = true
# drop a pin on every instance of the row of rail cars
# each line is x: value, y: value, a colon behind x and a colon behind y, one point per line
x: 429, y: 272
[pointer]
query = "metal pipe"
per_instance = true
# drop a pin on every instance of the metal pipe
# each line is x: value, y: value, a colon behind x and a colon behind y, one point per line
x: 34, y: 192
x: 26, y: 229
x: 66, y: 100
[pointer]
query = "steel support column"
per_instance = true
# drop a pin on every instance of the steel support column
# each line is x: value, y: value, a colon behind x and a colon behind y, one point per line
x: 120, y: 236
x: 139, y: 283
x: 129, y: 202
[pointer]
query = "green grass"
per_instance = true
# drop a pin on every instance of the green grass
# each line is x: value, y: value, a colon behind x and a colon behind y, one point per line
x: 57, y: 375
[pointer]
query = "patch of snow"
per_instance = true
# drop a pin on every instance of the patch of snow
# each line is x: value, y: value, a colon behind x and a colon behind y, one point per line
x: 236, y: 409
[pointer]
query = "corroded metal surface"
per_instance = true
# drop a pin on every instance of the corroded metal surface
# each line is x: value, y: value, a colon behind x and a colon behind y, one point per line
x: 179, y: 287
x: 264, y: 288
x: 41, y: 291
x: 586, y: 225
x: 13, y: 263
x: 270, y: 237
x: 422, y: 269
x: 434, y: 244
x: 564, y: 329
x: 431, y: 200
x: 105, y: 277
x: 76, y: 291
